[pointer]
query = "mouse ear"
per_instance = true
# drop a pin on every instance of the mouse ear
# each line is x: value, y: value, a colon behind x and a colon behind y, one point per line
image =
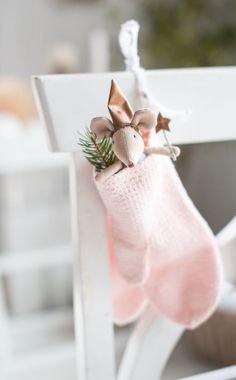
x: 118, y: 106
x: 102, y: 127
x: 144, y: 119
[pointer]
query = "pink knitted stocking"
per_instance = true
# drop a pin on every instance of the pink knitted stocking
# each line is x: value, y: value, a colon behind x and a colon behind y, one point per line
x: 161, y: 243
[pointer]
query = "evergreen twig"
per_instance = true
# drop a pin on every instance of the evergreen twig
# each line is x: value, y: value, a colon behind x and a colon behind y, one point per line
x: 98, y: 153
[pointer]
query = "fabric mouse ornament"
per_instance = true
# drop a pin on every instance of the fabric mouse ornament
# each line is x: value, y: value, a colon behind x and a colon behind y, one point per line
x: 163, y: 252
x: 125, y: 130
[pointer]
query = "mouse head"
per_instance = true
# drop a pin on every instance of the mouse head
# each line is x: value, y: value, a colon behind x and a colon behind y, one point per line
x: 125, y: 128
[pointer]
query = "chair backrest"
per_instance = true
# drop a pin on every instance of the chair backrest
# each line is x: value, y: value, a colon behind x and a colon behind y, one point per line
x: 67, y: 104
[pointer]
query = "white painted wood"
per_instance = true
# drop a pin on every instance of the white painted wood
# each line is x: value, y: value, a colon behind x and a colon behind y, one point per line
x: 35, y: 259
x: 51, y: 363
x: 228, y: 233
x: 5, y: 341
x: 69, y: 102
x: 227, y: 373
x: 149, y: 347
x: 58, y: 362
x: 93, y: 319
x: 92, y: 306
x: 227, y: 239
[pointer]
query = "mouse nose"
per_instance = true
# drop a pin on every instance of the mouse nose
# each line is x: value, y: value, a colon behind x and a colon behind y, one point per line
x: 131, y: 165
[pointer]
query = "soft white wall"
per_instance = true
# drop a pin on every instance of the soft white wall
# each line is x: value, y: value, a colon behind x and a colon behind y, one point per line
x: 29, y: 28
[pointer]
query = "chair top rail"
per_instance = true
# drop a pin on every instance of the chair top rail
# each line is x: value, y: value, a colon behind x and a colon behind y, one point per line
x: 69, y: 102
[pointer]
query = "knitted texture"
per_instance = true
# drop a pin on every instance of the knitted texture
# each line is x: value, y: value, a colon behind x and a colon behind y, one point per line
x: 129, y: 197
x: 163, y: 251
x: 128, y: 300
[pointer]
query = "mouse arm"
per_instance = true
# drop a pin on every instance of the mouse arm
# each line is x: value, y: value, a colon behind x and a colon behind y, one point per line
x: 163, y: 150
x: 109, y: 171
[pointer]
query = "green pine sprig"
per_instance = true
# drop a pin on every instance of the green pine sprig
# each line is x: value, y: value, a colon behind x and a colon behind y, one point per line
x: 98, y: 153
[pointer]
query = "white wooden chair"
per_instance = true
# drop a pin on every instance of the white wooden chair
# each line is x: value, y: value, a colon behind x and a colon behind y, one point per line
x: 67, y: 104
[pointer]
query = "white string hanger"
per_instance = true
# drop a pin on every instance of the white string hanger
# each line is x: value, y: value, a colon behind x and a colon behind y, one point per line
x: 128, y: 41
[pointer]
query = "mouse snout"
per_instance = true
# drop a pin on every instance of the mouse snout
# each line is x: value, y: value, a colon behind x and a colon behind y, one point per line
x: 128, y: 146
